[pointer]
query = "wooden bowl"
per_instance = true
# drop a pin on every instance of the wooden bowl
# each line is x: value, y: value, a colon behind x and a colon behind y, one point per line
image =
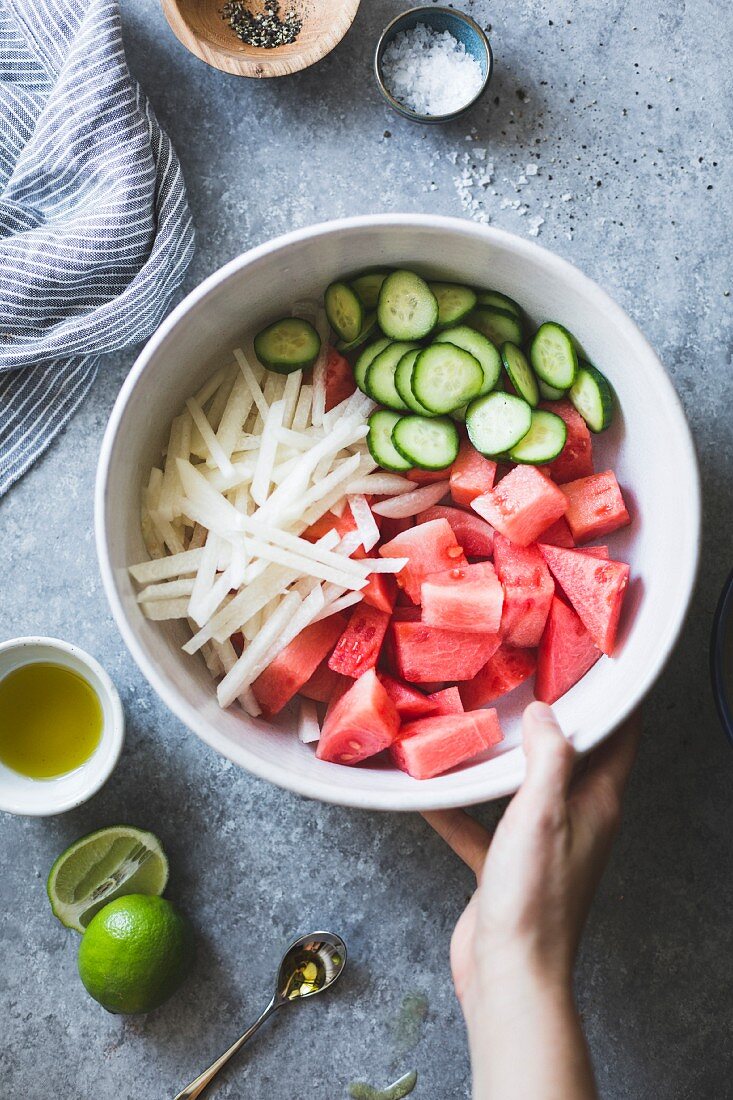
x: 198, y: 24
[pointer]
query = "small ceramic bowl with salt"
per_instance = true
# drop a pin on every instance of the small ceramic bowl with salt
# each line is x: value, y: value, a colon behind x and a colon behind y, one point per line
x: 432, y: 64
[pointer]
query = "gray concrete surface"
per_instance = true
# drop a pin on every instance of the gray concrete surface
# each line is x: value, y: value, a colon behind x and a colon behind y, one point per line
x: 625, y: 108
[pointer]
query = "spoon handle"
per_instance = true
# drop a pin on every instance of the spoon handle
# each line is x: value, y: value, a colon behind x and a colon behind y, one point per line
x: 197, y: 1087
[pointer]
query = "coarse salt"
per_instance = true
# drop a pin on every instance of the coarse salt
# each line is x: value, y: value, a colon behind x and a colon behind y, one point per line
x: 430, y: 71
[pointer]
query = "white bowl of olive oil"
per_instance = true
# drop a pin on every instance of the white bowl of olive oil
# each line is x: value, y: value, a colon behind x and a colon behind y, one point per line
x: 61, y: 726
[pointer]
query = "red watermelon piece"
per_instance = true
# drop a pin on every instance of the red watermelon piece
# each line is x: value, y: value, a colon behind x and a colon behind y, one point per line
x: 427, y: 477
x: 472, y: 532
x: 431, y: 746
x: 357, y: 650
x: 447, y: 701
x: 566, y: 653
x: 522, y: 505
x: 410, y: 702
x: 411, y: 614
x: 340, y: 382
x: 471, y: 475
x: 465, y: 597
x: 325, y: 684
x: 528, y: 591
x: 423, y: 654
x: 381, y: 588
x: 576, y: 458
x: 594, y: 587
x: 594, y: 551
x: 430, y: 548
x: 329, y: 521
x: 506, y: 670
x: 595, y: 506
x: 391, y: 528
x: 295, y: 664
x: 559, y: 534
x: 360, y: 723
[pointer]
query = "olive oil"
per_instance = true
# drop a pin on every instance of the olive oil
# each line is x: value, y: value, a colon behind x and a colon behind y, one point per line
x: 50, y: 720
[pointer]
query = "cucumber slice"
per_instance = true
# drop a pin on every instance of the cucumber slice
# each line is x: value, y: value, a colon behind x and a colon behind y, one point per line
x: 454, y: 302
x: 344, y: 310
x: 429, y: 444
x: 364, y: 361
x: 520, y: 373
x: 407, y: 308
x: 403, y: 382
x: 592, y: 396
x: 544, y: 440
x: 499, y: 301
x: 379, y: 382
x: 368, y: 286
x: 553, y: 355
x: 499, y: 325
x: 368, y: 329
x: 379, y: 441
x: 549, y: 393
x: 497, y: 422
x: 287, y: 345
x: 445, y: 377
x: 480, y: 347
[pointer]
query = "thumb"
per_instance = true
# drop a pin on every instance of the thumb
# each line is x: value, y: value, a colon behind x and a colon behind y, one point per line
x: 550, y: 756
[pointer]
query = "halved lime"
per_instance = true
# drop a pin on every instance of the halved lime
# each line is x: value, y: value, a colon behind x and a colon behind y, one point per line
x: 102, y: 866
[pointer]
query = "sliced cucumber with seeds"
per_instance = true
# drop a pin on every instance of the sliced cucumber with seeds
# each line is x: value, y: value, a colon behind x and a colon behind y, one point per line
x: 520, y: 373
x: 549, y: 393
x: 454, y: 302
x: 445, y: 377
x: 553, y: 355
x: 379, y: 382
x: 407, y: 308
x: 497, y: 422
x: 543, y: 442
x: 429, y: 444
x: 498, y: 300
x: 368, y: 286
x: 365, y: 359
x: 369, y: 328
x: 379, y: 441
x: 403, y: 382
x: 287, y: 345
x: 344, y: 310
x: 592, y: 396
x: 477, y: 345
x: 499, y: 325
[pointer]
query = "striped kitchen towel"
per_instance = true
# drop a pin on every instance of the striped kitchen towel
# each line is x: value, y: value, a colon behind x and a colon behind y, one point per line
x: 95, y: 231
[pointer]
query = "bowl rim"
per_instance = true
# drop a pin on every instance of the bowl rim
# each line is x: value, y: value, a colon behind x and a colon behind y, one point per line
x: 388, y: 33
x: 721, y: 623
x: 323, y: 789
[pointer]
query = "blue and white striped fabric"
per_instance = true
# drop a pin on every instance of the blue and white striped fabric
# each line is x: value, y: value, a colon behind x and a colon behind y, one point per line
x: 95, y: 231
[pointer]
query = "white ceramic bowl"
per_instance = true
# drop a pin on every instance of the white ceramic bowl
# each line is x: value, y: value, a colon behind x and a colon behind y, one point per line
x: 44, y: 797
x: 649, y: 446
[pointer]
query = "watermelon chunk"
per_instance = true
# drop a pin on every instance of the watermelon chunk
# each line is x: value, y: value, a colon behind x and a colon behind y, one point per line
x: 471, y: 475
x: 427, y: 477
x: 423, y: 654
x: 507, y: 669
x: 522, y: 505
x: 381, y: 588
x: 295, y: 664
x: 430, y: 548
x: 411, y: 614
x: 430, y: 746
x: 361, y: 722
x: 566, y: 653
x: 466, y: 597
x: 472, y: 532
x: 339, y: 380
x: 391, y: 528
x: 594, y: 587
x: 559, y: 534
x: 329, y: 521
x: 594, y: 551
x: 357, y: 650
x: 325, y: 684
x: 447, y: 701
x: 595, y: 506
x: 528, y: 591
x: 576, y: 458
x: 410, y: 702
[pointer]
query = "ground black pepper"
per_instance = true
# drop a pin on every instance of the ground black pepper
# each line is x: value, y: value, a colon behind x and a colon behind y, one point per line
x: 265, y: 28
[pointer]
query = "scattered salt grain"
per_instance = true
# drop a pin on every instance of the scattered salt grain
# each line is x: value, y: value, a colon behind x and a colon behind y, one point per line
x: 430, y: 71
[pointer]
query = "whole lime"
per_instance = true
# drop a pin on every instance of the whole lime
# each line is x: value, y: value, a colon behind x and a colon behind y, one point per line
x: 135, y: 953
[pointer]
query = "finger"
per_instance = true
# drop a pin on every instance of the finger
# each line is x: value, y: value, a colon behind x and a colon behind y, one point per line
x: 550, y: 756
x: 461, y: 832
x: 610, y: 766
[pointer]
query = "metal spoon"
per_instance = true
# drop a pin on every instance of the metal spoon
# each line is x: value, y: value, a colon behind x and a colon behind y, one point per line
x: 310, y: 965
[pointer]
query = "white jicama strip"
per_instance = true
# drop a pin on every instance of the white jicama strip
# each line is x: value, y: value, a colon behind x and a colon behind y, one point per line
x: 247, y: 667
x: 220, y: 513
x: 261, y: 549
x: 246, y: 443
x: 324, y: 486
x: 240, y: 554
x: 350, y: 542
x: 340, y: 507
x: 298, y: 441
x: 160, y: 610
x: 251, y: 628
x: 411, y: 504
x: 383, y: 485
x: 311, y: 606
x: 242, y: 473
x: 273, y: 387
x: 267, y: 453
x: 167, y: 532
x: 309, y: 730
x: 209, y: 388
x: 341, y: 604
x: 235, y: 413
x: 198, y: 538
x: 226, y: 653
x: 301, y: 415
x: 254, y: 386
x: 319, y: 371
x: 151, y: 495
x: 320, y: 551
x: 291, y: 393
x: 176, y: 565
x: 357, y: 404
x: 213, y: 661
x: 219, y: 401
x: 244, y: 606
x: 384, y: 565
x: 179, y: 446
x: 285, y: 469
x: 205, y: 576
x: 168, y: 590
x: 209, y: 602
x: 248, y: 701
x: 364, y: 520
x: 207, y: 434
